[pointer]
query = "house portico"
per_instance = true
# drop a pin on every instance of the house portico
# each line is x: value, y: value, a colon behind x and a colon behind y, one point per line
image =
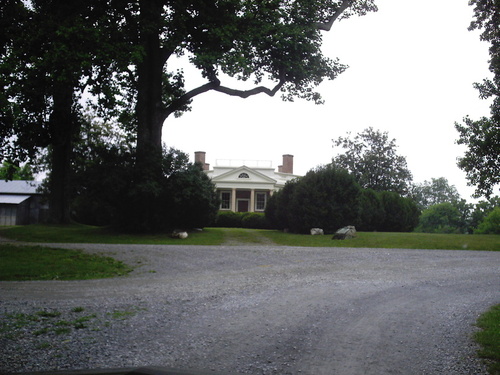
x: 245, y: 186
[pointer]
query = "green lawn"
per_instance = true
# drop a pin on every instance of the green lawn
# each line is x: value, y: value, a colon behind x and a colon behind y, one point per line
x: 219, y: 236
x: 22, y: 262
x: 77, y: 233
x: 489, y: 338
x: 393, y: 241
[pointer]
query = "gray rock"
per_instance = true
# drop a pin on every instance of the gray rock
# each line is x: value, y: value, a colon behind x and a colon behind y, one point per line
x: 345, y: 233
x: 179, y: 234
x: 316, y: 231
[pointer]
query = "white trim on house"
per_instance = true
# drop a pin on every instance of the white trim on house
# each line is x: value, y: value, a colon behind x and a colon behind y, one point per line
x: 243, y: 183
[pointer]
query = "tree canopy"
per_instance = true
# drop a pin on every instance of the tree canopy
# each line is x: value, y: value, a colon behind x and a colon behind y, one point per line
x: 371, y: 157
x: 10, y: 171
x: 52, y: 52
x: 481, y: 161
x: 436, y: 191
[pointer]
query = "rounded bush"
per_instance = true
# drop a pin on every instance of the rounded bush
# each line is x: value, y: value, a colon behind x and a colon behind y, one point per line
x: 254, y: 220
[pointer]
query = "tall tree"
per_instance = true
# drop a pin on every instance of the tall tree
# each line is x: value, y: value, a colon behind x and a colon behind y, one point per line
x: 52, y: 52
x: 436, y: 191
x: 273, y: 42
x: 482, y: 160
x: 373, y: 160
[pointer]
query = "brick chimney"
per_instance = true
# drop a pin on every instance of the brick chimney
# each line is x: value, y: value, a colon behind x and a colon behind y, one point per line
x: 287, y: 166
x: 199, y: 157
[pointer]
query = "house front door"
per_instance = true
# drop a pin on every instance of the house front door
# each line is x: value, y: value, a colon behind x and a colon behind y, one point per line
x: 243, y: 205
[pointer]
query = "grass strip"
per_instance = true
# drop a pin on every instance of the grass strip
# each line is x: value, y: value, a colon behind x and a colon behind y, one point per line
x: 216, y: 236
x: 429, y: 241
x: 20, y: 262
x: 489, y: 338
x: 77, y: 233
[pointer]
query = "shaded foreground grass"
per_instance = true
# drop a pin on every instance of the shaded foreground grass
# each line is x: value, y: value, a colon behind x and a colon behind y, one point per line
x: 489, y: 338
x: 218, y: 236
x: 76, y: 233
x: 20, y: 262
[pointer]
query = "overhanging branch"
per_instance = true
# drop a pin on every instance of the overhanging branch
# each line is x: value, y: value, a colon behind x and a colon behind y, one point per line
x: 215, y: 85
x: 246, y: 93
x: 328, y: 25
x: 185, y: 99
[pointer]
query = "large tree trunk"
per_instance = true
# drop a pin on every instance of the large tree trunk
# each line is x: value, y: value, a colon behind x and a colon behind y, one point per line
x: 149, y: 96
x: 62, y: 128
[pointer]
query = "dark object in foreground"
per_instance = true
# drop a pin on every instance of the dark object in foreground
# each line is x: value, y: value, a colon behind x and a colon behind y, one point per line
x: 345, y: 233
x: 152, y: 370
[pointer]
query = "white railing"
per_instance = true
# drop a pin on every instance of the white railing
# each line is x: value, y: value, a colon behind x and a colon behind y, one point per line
x: 241, y: 162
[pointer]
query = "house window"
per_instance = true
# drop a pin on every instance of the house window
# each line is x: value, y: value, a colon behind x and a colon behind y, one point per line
x: 260, y: 201
x: 225, y: 200
x: 243, y: 175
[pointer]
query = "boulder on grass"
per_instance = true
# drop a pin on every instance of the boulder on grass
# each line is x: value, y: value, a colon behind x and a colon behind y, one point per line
x: 345, y: 233
x: 179, y: 234
x: 316, y: 231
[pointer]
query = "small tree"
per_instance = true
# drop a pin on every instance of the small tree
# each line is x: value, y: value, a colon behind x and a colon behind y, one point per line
x: 491, y: 223
x: 440, y: 218
x: 372, y: 213
x: 436, y: 191
x: 401, y: 213
x: 278, y: 207
x: 372, y: 159
x: 482, y: 209
x: 191, y: 199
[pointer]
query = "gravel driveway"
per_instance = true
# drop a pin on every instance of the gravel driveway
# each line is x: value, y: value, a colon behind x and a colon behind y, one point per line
x: 257, y: 310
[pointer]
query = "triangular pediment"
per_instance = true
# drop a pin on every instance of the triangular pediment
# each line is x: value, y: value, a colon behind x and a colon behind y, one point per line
x: 243, y: 174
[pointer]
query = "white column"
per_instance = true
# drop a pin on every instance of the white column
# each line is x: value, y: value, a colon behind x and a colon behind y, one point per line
x: 252, y: 201
x: 233, y: 200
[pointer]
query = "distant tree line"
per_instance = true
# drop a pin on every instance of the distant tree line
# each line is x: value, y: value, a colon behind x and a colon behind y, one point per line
x: 369, y: 186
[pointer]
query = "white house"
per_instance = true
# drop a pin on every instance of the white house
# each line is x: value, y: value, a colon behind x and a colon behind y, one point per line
x: 21, y: 203
x: 246, y: 185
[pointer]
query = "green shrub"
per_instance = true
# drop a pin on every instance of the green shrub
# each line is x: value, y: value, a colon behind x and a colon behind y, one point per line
x: 254, y: 220
x: 172, y: 193
x: 372, y: 213
x: 326, y: 197
x: 228, y: 219
x: 251, y: 220
x: 401, y: 214
x: 490, y: 224
x: 440, y: 218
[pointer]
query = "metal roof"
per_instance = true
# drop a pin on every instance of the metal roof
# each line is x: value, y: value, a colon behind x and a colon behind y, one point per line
x: 12, y: 199
x: 19, y: 187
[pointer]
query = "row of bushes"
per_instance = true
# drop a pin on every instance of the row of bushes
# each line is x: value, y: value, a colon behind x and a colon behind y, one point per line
x: 330, y: 198
x: 251, y: 220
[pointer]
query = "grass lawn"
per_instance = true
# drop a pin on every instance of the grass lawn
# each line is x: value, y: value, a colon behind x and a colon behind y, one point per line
x: 22, y: 262
x: 219, y: 236
x: 76, y: 233
x: 428, y: 241
x: 489, y: 338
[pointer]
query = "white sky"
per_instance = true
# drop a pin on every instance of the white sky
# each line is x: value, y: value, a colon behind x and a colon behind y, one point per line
x: 411, y: 69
